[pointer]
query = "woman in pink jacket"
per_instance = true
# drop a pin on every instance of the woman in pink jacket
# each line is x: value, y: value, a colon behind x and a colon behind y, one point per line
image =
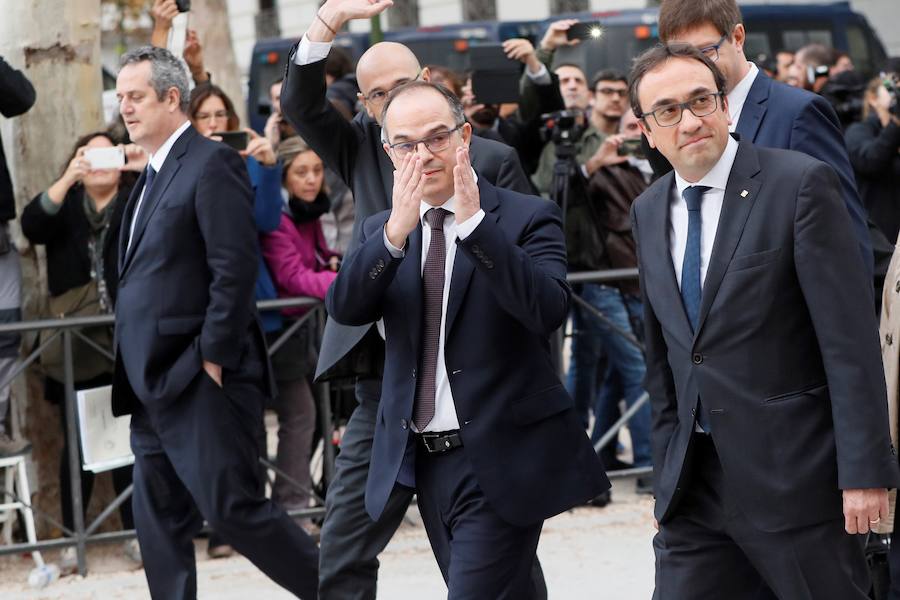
x: 301, y: 265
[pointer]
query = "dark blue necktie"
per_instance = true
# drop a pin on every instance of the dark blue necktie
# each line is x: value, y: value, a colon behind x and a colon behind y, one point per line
x: 690, y: 272
x: 151, y: 175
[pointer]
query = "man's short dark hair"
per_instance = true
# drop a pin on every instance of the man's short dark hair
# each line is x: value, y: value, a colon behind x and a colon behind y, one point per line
x: 659, y: 55
x: 608, y: 75
x: 574, y: 66
x: 338, y: 63
x: 456, y: 107
x: 676, y: 16
x: 166, y: 72
x: 816, y: 54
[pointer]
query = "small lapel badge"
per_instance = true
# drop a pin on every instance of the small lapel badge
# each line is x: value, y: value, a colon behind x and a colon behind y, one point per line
x: 744, y: 193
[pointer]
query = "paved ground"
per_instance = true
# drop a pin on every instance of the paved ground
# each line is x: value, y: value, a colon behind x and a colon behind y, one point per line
x: 588, y: 553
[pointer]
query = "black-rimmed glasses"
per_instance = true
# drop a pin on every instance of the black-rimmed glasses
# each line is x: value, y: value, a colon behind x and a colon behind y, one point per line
x: 435, y: 143
x: 669, y: 115
x: 712, y: 52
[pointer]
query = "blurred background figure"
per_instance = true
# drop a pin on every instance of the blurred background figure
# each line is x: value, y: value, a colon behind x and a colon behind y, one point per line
x: 77, y: 220
x: 341, y: 81
x: 16, y: 97
x: 811, y: 67
x: 783, y: 61
x: 874, y: 148
x: 302, y: 264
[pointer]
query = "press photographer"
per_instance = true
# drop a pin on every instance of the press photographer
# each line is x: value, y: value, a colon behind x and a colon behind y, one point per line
x: 874, y: 149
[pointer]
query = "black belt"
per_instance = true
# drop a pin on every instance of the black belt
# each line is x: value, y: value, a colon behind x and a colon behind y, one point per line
x: 436, y: 442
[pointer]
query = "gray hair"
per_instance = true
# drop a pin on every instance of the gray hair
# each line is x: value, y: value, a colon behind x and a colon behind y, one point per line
x: 166, y: 72
x: 456, y: 107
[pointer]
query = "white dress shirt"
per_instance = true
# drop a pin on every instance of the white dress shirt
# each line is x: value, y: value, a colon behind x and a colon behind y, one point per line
x: 309, y: 52
x: 444, y: 408
x: 738, y: 96
x: 710, y: 209
x: 156, y: 161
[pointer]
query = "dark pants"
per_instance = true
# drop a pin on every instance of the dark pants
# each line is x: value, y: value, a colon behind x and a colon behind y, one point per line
x: 894, y: 563
x: 351, y: 541
x: 481, y: 556
x: 198, y: 459
x: 121, y: 477
x: 708, y: 550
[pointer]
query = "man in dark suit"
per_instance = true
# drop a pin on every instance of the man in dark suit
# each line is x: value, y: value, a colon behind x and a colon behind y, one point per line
x: 763, y: 366
x: 191, y: 363
x: 763, y: 111
x: 473, y: 415
x: 351, y: 541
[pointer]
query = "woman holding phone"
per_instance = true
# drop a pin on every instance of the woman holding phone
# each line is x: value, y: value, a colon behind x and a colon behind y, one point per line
x: 77, y: 221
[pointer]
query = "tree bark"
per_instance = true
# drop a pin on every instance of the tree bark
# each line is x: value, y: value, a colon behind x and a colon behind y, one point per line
x: 479, y: 10
x: 57, y: 45
x: 210, y: 19
x: 404, y: 13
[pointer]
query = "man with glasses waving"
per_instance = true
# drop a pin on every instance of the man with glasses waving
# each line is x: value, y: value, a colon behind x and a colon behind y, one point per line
x: 770, y: 438
x: 763, y: 111
x: 470, y: 283
x: 351, y: 541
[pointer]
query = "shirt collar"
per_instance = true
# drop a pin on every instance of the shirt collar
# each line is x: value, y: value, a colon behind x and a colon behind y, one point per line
x: 449, y: 205
x: 717, y: 177
x: 738, y: 95
x: 159, y: 157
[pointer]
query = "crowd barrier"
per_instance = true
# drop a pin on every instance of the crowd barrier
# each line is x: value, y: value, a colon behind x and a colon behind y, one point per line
x: 71, y: 328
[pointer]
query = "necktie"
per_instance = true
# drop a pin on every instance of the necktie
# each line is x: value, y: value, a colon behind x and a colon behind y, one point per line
x: 690, y: 272
x: 151, y: 175
x: 433, y: 300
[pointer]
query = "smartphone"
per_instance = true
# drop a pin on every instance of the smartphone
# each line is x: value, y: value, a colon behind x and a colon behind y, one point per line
x: 585, y: 31
x: 631, y: 147
x: 236, y: 139
x: 183, y: 5
x: 178, y: 34
x: 105, y: 158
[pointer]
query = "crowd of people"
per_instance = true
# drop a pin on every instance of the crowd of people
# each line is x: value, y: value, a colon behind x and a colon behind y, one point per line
x: 771, y: 302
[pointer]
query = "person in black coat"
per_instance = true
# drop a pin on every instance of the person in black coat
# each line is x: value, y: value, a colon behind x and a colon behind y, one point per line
x: 874, y: 149
x: 77, y: 220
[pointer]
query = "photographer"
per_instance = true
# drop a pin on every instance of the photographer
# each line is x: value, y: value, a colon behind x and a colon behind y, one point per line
x: 162, y: 12
x: 874, y: 149
x: 811, y: 67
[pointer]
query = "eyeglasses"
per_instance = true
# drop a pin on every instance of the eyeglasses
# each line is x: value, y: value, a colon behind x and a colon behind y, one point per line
x: 613, y: 92
x: 435, y: 143
x: 669, y: 115
x: 219, y: 114
x: 712, y: 52
x: 379, y: 96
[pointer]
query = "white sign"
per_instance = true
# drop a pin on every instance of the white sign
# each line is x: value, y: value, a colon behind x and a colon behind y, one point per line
x: 105, y: 439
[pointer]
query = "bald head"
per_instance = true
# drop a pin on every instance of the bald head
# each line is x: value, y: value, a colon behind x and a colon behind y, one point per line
x: 382, y: 68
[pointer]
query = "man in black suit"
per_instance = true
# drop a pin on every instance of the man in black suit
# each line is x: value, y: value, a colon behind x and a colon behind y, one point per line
x: 763, y: 111
x: 470, y: 282
x: 351, y: 541
x: 769, y: 409
x: 191, y: 363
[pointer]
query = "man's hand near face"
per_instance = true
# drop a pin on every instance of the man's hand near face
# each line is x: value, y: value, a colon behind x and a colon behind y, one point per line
x: 409, y: 182
x: 465, y: 189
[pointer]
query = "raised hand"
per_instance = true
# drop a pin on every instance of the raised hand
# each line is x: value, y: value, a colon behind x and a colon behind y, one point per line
x: 522, y: 50
x: 335, y: 13
x: 163, y: 12
x: 465, y: 189
x: 556, y: 35
x: 606, y: 155
x: 406, y: 199
x: 193, y: 56
x: 135, y: 158
x: 259, y: 148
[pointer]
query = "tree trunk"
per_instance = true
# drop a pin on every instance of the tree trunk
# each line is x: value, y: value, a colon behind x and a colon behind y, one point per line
x: 210, y: 19
x: 404, y: 13
x: 479, y: 10
x: 61, y: 57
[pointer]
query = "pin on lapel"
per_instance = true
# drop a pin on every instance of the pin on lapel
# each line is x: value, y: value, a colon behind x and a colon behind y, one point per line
x: 744, y: 193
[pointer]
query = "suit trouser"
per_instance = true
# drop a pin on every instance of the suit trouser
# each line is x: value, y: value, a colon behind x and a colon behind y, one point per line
x: 198, y: 458
x: 351, y: 541
x: 481, y: 556
x: 708, y: 550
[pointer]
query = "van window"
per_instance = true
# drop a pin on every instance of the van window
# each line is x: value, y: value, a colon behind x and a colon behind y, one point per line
x: 858, y: 49
x: 794, y: 39
x: 757, y: 44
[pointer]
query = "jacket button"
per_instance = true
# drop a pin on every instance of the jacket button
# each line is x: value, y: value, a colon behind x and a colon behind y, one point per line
x: 697, y: 358
x: 414, y: 373
x: 489, y: 264
x: 476, y: 249
x: 404, y: 424
x: 889, y: 339
x: 380, y: 264
x: 693, y: 412
x: 897, y: 288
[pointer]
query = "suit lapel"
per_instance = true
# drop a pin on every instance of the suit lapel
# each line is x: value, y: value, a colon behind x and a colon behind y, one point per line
x: 150, y: 202
x: 655, y: 244
x: 463, y: 267
x: 125, y: 227
x: 740, y: 196
x: 387, y: 175
x: 754, y: 108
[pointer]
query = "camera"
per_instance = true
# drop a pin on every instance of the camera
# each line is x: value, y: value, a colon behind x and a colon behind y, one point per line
x: 891, y: 83
x: 845, y: 93
x: 563, y: 127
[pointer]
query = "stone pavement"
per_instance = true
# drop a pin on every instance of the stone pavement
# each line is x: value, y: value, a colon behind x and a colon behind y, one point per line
x: 587, y: 553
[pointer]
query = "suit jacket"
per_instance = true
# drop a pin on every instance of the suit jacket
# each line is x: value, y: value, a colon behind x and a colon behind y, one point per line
x: 354, y: 151
x: 785, y: 358
x: 16, y: 97
x: 777, y: 115
x: 186, y: 284
x: 508, y: 294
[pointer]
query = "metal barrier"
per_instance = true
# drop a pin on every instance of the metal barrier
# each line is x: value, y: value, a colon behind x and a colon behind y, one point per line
x: 69, y: 328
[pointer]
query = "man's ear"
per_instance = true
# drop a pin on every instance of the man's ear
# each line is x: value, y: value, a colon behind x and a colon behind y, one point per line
x: 738, y: 37
x: 173, y: 97
x: 426, y: 74
x: 466, y: 133
x: 645, y: 129
x: 725, y: 107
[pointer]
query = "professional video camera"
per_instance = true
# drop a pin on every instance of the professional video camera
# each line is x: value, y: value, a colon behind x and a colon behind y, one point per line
x: 564, y: 128
x: 891, y: 82
x: 845, y: 92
